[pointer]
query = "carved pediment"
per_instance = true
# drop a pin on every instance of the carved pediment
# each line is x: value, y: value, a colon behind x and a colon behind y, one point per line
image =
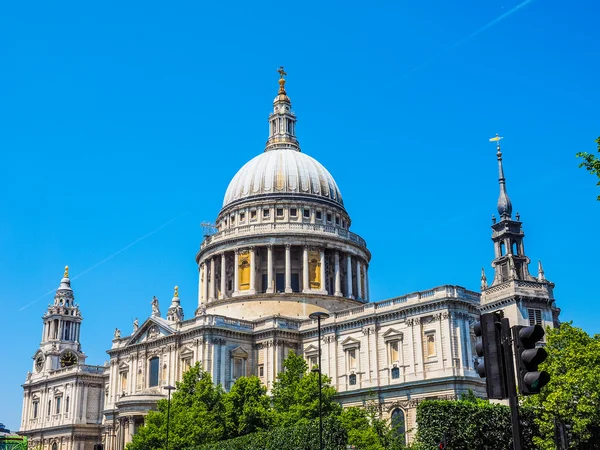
x: 239, y: 352
x: 393, y: 334
x: 123, y: 367
x: 186, y: 351
x: 350, y: 342
x: 153, y: 328
x: 311, y: 349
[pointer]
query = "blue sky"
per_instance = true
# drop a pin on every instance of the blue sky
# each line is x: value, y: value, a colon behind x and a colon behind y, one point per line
x: 116, y: 119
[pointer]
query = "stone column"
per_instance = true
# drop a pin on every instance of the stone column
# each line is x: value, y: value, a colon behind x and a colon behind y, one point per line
x: 338, y: 279
x: 349, y: 275
x: 131, y: 428
x: 213, y: 279
x: 252, y: 271
x: 305, y: 281
x: 199, y: 284
x: 359, y: 293
x: 236, y: 273
x: 420, y: 357
x: 85, y: 388
x: 469, y: 363
x: 288, y: 268
x: 270, y: 289
x: 439, y: 345
x: 204, y: 282
x: 223, y: 276
x: 366, y: 293
x: 222, y: 360
x: 323, y: 275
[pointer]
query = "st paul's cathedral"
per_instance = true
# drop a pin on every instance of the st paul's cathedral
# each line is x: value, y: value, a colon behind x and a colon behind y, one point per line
x: 281, y: 249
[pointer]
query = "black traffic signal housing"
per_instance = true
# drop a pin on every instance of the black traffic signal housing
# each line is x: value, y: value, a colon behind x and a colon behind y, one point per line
x: 489, y: 328
x: 528, y: 357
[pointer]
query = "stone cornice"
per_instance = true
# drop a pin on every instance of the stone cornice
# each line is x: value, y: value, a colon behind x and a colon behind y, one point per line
x: 514, y: 299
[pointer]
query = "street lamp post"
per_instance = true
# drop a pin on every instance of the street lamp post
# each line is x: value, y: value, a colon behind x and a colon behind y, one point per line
x: 320, y: 315
x: 168, y: 388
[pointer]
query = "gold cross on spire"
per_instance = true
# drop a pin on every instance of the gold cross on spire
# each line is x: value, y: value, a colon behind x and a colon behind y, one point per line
x: 497, y: 140
x: 281, y: 72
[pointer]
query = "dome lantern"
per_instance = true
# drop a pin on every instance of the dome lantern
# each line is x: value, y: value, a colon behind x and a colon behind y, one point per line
x: 282, y: 121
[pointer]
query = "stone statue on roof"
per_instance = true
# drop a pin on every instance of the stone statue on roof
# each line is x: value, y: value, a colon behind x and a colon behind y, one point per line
x: 155, y: 309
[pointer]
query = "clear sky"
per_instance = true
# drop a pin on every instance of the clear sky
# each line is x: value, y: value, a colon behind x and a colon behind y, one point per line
x: 117, y: 118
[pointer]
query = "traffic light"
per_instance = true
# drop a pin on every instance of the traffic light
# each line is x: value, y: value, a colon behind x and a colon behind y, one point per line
x: 528, y: 357
x: 489, y: 328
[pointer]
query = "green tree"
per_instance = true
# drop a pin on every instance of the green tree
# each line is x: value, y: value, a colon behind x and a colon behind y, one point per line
x: 247, y: 407
x: 573, y: 394
x: 296, y: 393
x: 197, y: 415
x: 361, y: 430
x: 591, y: 163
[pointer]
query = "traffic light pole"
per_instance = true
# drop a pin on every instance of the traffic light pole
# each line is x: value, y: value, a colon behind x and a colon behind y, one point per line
x: 511, y: 384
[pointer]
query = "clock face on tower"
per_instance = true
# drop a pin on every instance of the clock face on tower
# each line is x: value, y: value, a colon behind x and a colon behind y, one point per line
x: 68, y: 359
x: 39, y: 362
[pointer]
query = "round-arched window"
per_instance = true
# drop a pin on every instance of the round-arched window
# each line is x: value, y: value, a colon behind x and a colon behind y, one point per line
x: 54, y: 446
x: 398, y: 423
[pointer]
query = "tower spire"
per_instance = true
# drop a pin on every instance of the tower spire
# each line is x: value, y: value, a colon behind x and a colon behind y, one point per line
x: 541, y: 276
x: 504, y: 204
x: 282, y: 121
x: 484, y: 284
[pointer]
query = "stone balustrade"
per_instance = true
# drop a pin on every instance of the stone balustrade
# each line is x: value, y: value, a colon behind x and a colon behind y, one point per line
x: 283, y: 228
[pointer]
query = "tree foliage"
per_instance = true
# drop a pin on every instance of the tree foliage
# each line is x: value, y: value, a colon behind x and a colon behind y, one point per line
x: 197, y: 415
x: 296, y: 393
x: 247, y: 407
x: 367, y: 431
x: 591, y: 163
x: 572, y: 396
x: 203, y: 416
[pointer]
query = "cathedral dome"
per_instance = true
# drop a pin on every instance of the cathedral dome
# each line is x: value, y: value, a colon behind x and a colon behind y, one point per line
x: 282, y: 171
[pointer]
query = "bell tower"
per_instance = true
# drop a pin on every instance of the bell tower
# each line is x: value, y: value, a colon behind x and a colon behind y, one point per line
x: 60, y: 345
x: 510, y: 262
x: 523, y: 298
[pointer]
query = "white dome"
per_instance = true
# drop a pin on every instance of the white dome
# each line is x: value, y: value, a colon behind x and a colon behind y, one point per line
x: 282, y: 171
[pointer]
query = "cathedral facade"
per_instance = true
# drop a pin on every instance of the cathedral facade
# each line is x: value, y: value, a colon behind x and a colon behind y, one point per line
x: 281, y: 248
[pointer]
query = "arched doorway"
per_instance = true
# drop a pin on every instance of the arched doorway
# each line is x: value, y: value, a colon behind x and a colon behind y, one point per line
x: 54, y: 446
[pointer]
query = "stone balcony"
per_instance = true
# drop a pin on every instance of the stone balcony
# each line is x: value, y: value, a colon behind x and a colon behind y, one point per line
x: 285, y: 229
x: 518, y: 288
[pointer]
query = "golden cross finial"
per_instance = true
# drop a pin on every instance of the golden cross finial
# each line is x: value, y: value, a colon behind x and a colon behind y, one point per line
x: 66, y: 275
x: 497, y: 140
x: 176, y: 294
x: 281, y: 80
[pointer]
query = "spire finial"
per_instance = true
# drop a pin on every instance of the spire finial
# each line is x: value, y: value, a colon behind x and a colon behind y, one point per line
x: 504, y: 204
x: 483, y: 279
x: 66, y: 274
x: 176, y: 294
x: 541, y: 276
x: 282, y: 74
